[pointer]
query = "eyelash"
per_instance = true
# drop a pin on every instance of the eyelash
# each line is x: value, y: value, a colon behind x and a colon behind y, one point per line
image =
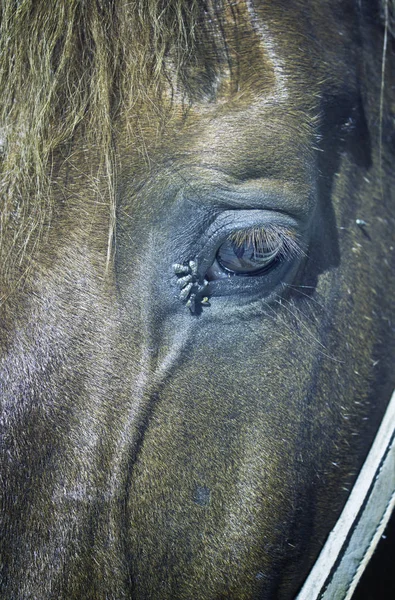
x: 273, y: 236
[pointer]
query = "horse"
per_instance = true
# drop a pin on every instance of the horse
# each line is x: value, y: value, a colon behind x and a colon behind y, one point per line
x: 197, y: 260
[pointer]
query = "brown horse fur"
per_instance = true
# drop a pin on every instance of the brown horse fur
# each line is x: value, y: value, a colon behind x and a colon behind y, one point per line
x: 148, y: 452
x: 73, y: 67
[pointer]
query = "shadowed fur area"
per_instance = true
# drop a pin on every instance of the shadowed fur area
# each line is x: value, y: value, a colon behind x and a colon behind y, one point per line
x: 172, y: 428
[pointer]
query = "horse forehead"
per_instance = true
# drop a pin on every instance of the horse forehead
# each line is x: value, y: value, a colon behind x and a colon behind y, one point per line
x: 262, y: 48
x: 269, y: 81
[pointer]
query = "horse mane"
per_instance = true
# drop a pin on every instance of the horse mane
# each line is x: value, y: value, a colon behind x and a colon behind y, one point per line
x: 70, y: 68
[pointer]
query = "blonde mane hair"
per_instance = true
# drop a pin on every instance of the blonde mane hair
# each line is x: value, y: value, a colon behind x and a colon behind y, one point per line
x: 70, y: 68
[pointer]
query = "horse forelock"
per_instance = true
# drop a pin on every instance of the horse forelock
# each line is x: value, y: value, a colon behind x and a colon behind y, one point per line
x: 70, y: 69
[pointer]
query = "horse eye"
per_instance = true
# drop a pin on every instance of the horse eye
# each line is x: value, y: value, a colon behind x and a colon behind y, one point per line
x: 249, y: 257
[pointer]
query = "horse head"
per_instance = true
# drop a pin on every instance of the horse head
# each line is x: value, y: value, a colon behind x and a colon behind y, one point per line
x: 197, y: 293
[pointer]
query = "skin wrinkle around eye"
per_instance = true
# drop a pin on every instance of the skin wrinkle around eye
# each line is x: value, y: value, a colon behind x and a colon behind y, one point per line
x: 197, y: 197
x: 262, y: 284
x: 215, y: 206
x: 216, y: 189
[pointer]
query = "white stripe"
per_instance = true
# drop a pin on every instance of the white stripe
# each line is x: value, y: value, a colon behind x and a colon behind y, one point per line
x: 280, y: 92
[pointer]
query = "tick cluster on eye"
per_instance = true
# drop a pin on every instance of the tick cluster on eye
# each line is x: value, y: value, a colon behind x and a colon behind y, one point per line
x: 191, y: 284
